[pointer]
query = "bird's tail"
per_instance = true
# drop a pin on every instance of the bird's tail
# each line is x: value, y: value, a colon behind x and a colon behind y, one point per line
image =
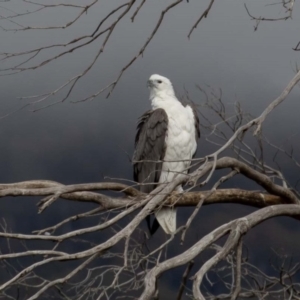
x: 166, y: 218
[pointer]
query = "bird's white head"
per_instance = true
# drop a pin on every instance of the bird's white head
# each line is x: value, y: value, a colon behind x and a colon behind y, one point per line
x: 160, y: 85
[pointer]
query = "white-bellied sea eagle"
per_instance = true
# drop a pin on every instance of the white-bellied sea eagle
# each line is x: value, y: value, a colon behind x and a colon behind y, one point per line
x: 169, y: 133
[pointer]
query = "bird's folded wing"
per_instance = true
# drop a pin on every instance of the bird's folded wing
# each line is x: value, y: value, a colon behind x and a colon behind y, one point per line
x: 150, y: 147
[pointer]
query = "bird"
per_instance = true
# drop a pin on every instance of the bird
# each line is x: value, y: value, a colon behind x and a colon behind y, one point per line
x: 165, y: 142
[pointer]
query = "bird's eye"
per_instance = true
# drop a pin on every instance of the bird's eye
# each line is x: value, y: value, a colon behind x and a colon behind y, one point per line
x: 159, y: 81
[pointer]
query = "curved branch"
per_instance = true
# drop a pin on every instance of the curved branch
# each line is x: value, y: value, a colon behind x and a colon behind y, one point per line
x: 261, y: 179
x: 204, y: 15
x: 239, y: 196
x: 155, y: 198
x: 238, y: 227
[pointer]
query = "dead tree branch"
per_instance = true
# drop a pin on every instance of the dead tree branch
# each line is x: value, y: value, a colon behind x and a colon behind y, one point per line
x: 236, y: 228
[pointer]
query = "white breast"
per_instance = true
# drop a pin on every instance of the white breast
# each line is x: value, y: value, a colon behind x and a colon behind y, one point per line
x: 180, y: 140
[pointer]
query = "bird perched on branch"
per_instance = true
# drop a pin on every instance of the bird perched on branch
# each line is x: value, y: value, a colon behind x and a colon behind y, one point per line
x: 168, y: 133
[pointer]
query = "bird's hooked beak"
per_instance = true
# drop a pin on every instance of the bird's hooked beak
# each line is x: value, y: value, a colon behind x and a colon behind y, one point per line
x: 150, y: 84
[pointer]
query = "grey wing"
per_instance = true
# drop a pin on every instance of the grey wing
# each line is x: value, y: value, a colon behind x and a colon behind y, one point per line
x: 197, y: 123
x: 196, y: 120
x: 150, y: 145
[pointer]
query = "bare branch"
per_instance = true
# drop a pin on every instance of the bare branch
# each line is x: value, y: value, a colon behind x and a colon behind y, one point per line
x: 64, y: 279
x: 204, y: 15
x: 237, y: 228
x: 238, y: 275
x: 184, y: 279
